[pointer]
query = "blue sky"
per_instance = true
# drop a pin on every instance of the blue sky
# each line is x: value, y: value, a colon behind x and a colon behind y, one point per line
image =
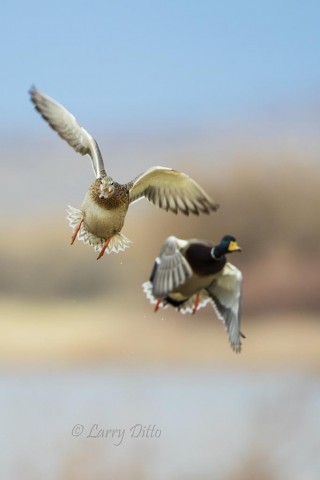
x: 122, y: 63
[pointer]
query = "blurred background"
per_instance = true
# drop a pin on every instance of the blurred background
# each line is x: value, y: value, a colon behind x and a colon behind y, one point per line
x: 229, y: 93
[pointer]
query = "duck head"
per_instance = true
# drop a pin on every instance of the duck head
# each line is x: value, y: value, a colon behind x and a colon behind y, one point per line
x: 228, y: 244
x: 106, y: 187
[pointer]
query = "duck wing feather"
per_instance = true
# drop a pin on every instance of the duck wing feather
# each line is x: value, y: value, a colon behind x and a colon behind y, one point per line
x: 170, y: 270
x: 225, y: 292
x: 66, y: 125
x: 171, y: 190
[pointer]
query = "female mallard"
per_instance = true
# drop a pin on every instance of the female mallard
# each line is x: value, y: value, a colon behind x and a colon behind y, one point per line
x: 102, y: 214
x: 188, y: 274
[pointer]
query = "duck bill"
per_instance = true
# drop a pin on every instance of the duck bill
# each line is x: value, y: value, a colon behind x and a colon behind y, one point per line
x: 234, y: 247
x: 105, y: 193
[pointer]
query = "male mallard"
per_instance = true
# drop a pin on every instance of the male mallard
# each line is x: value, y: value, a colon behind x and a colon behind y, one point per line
x: 102, y: 214
x: 188, y: 274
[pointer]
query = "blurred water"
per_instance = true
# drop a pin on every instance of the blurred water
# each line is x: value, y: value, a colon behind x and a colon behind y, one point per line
x: 209, y: 424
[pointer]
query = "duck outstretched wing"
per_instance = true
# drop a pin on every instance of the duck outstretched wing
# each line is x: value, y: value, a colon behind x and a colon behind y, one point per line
x: 171, y: 190
x: 66, y: 125
x: 170, y: 269
x: 225, y: 293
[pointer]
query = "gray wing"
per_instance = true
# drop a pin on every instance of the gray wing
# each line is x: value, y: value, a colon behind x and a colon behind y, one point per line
x: 225, y: 292
x: 171, y: 190
x: 65, y: 124
x: 171, y: 269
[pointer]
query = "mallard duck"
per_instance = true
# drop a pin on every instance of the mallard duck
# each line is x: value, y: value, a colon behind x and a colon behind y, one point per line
x: 101, y: 217
x: 188, y: 274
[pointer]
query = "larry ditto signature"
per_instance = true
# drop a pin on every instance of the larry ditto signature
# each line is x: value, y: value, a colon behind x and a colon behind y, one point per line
x: 117, y: 435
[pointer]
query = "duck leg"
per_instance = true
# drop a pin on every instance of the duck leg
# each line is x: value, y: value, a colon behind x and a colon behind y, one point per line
x: 157, y: 305
x: 196, y: 303
x: 75, y: 233
x: 103, y: 249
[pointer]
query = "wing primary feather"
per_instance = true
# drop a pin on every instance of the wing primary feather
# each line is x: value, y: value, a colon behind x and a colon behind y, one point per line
x: 175, y: 191
x: 67, y: 127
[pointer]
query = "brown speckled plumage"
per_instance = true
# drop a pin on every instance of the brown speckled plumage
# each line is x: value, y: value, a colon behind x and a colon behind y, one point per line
x: 102, y: 214
x: 119, y: 197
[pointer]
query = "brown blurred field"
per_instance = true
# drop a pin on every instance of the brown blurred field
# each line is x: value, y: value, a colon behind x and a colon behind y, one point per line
x: 58, y: 302
x: 91, y: 332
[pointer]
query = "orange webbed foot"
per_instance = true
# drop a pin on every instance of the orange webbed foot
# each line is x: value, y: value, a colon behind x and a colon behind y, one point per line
x: 103, y: 249
x: 196, y: 303
x: 157, y: 305
x: 75, y: 233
